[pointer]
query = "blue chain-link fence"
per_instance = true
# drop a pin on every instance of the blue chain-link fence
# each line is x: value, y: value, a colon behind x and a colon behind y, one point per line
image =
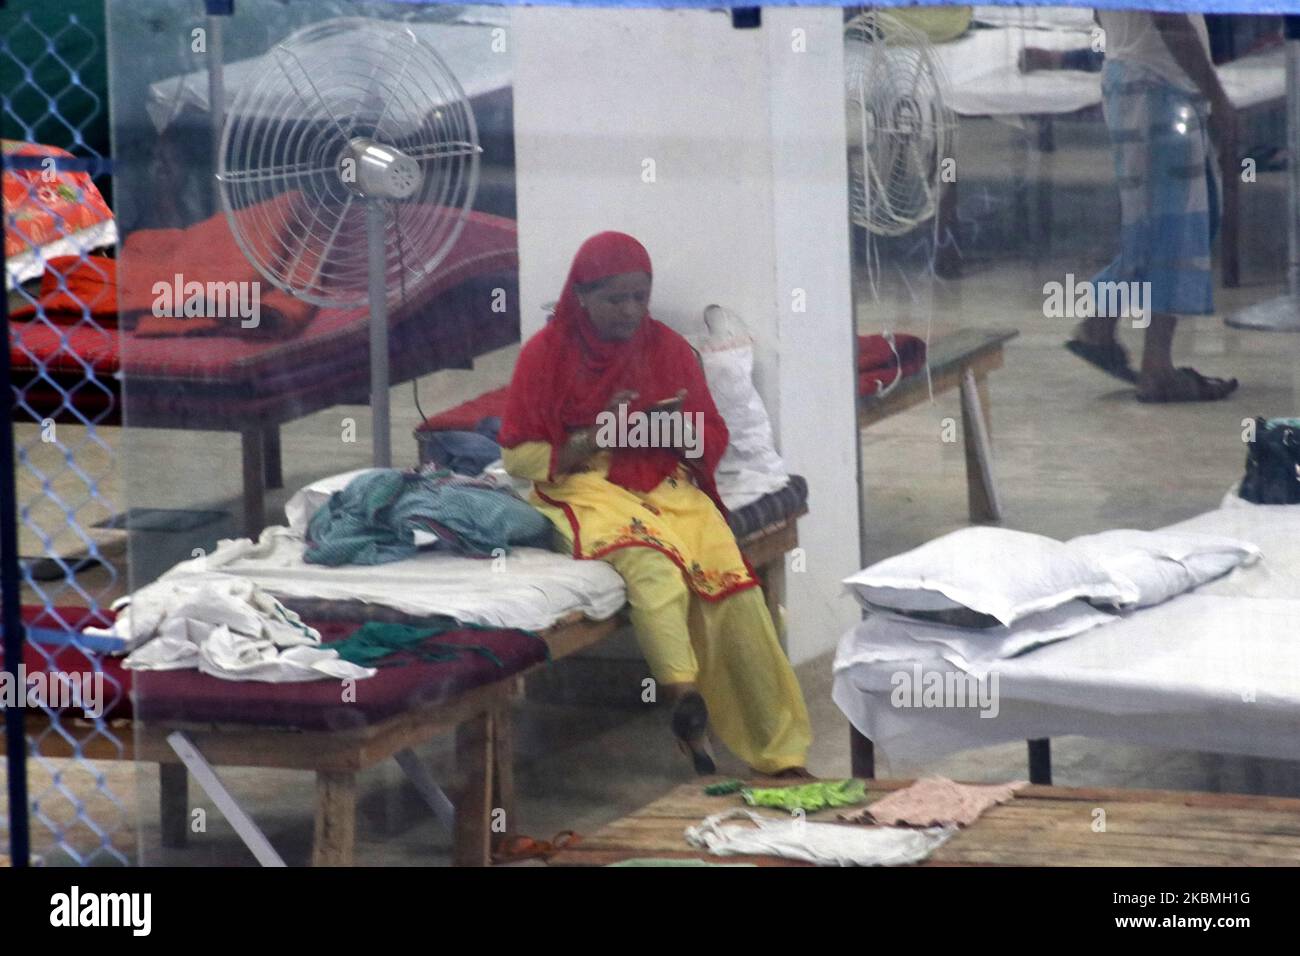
x: 66, y: 786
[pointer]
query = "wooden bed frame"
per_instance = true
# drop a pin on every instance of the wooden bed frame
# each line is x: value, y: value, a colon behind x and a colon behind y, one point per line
x: 480, y: 718
x: 962, y: 360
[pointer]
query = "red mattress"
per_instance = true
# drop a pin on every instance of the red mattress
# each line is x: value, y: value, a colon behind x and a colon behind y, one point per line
x: 314, y: 705
x: 466, y: 415
x: 487, y: 246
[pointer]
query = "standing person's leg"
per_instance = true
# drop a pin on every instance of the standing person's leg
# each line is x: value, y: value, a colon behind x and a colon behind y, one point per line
x: 1182, y: 211
x: 1160, y: 147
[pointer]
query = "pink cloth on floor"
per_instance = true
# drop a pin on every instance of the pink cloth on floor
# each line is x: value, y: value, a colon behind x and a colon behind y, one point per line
x: 935, y: 801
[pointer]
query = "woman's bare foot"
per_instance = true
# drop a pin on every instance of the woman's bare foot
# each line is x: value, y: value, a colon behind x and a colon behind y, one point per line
x: 1182, y: 385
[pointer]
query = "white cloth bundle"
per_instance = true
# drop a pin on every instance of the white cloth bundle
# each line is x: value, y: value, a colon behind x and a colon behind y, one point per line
x: 826, y: 844
x: 226, y: 627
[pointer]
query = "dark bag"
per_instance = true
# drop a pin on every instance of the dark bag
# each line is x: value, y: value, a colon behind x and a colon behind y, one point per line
x: 1273, y: 463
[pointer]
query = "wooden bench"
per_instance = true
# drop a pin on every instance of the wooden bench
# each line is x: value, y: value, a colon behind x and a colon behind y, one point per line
x: 1040, y: 826
x: 962, y: 360
x: 479, y: 717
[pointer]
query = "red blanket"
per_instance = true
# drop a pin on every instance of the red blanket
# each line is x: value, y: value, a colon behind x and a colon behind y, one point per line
x: 205, y: 253
x: 880, y: 365
x: 72, y: 285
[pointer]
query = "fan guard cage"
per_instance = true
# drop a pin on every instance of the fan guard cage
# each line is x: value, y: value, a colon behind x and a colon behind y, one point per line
x: 283, y: 177
x: 899, y: 128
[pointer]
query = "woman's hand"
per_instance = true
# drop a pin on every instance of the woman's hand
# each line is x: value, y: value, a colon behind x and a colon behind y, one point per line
x: 581, y: 444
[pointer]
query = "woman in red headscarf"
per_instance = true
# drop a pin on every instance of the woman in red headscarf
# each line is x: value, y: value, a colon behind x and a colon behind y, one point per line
x: 609, y: 416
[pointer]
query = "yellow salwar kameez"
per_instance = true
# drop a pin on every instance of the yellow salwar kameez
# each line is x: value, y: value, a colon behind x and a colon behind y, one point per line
x: 696, y: 608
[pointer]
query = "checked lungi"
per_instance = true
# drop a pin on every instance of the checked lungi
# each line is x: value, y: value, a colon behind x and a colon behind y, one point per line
x: 1168, y: 195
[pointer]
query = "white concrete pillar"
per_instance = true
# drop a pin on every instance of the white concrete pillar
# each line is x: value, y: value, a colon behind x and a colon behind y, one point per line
x: 723, y: 151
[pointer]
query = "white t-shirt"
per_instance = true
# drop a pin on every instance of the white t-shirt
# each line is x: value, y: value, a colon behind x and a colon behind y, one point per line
x: 1132, y: 35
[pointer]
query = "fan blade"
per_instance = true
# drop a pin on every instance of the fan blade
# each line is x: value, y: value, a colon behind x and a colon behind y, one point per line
x: 281, y: 53
x: 405, y: 34
x: 268, y: 173
x: 321, y: 256
x: 444, y: 150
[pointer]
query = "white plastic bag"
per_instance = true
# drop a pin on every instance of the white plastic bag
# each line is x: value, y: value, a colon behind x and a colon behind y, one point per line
x: 751, y: 467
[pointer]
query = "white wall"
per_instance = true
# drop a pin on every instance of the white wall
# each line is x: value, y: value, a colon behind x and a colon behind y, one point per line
x: 746, y: 205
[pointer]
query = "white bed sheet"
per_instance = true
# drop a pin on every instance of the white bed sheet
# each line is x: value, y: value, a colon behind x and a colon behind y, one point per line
x: 466, y: 47
x: 1215, y: 670
x: 985, y: 79
x: 530, y: 589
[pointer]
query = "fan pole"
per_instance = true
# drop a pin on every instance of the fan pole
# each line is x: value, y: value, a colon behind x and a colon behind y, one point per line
x: 1282, y: 314
x: 383, y: 453
x: 217, y: 11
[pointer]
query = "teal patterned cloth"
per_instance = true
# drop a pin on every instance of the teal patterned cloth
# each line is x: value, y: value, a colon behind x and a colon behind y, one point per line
x: 374, y: 519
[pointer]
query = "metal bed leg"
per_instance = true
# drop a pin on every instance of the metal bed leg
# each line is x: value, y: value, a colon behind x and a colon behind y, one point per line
x: 862, y: 754
x: 423, y: 782
x: 981, y: 492
x: 254, y: 482
x: 228, y: 806
x: 1040, y: 761
x: 271, y: 456
x: 174, y: 803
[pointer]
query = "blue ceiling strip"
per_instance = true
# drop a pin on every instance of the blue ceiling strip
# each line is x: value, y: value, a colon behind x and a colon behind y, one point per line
x: 1168, y: 6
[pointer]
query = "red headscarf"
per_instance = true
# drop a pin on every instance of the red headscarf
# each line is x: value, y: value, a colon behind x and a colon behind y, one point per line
x: 567, y: 374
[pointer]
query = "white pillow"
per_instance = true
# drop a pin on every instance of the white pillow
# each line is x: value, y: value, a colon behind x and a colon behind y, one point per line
x: 304, y: 503
x: 887, y: 637
x: 993, y: 571
x: 1158, y: 565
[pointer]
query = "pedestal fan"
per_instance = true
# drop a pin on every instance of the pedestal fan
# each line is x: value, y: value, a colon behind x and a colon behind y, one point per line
x: 900, y: 130
x: 346, y: 172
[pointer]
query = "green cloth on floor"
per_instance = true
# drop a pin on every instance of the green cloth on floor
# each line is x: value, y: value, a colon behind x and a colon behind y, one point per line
x: 671, y: 861
x: 809, y: 797
x: 724, y: 789
x: 376, y: 644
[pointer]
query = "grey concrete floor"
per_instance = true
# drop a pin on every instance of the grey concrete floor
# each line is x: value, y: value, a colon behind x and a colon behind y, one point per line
x: 1074, y: 453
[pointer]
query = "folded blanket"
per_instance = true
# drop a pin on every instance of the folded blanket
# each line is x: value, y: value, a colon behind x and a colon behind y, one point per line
x: 386, y: 515
x: 193, y: 281
x: 880, y: 365
x: 73, y: 285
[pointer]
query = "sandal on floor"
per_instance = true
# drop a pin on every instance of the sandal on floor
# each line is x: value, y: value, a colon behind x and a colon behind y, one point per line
x: 1111, y: 359
x: 690, y: 721
x: 1189, y: 385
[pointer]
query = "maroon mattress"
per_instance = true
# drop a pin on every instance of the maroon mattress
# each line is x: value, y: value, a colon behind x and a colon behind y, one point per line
x: 314, y: 705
